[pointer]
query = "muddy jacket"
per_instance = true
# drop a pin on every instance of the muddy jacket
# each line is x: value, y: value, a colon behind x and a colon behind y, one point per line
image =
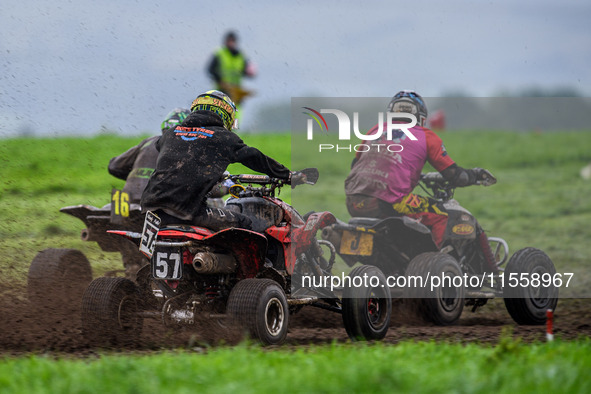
x: 193, y: 157
x: 135, y: 167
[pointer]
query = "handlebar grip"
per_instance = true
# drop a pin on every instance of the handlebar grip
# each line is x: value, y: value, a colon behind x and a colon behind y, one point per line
x: 251, y: 178
x: 432, y: 177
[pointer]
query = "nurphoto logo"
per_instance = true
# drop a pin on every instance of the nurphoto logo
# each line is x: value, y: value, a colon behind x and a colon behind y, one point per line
x: 394, y: 128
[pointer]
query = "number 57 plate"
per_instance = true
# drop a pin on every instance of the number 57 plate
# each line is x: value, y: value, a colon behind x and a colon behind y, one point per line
x: 167, y: 263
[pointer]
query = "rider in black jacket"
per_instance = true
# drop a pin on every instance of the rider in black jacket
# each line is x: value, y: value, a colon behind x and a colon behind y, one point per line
x: 193, y: 157
x: 137, y: 164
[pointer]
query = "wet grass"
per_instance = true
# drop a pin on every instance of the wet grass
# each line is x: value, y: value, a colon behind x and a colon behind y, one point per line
x: 409, y: 367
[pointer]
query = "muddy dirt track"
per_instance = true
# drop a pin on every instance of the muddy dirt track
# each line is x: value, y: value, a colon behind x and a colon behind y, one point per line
x: 26, y: 331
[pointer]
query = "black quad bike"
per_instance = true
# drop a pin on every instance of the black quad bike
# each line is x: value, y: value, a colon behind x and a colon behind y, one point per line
x: 57, y: 278
x: 249, y: 279
x: 402, y: 248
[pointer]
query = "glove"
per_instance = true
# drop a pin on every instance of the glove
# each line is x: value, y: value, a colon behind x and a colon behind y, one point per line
x: 484, y: 177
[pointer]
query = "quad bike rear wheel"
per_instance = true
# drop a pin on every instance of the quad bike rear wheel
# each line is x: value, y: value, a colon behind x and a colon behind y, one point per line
x: 259, y: 306
x: 110, y: 309
x: 56, y: 282
x: 442, y: 305
x: 528, y: 305
x: 367, y: 308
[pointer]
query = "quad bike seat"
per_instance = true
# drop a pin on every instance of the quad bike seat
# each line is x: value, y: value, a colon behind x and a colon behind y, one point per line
x: 364, y: 222
x: 261, y: 212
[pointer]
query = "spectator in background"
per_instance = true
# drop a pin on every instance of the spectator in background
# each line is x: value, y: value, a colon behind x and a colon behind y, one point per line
x: 227, y: 67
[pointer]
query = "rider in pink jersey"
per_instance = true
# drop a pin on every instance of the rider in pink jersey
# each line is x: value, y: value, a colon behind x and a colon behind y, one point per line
x: 381, y: 181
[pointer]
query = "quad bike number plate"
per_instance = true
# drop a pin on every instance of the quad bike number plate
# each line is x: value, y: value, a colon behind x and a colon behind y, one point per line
x: 167, y: 263
x: 119, y: 206
x: 356, y: 243
x: 151, y: 227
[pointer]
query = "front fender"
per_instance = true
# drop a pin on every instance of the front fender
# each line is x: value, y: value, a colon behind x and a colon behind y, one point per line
x: 304, y: 236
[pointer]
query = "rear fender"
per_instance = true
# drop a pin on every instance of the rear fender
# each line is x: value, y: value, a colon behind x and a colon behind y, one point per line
x: 401, y: 233
x: 248, y: 246
x: 98, y: 222
x: 83, y: 211
x: 130, y: 235
x: 186, y: 231
x: 408, y: 235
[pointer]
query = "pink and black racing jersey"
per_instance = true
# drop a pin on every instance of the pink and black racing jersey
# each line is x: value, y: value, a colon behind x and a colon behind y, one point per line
x: 390, y: 169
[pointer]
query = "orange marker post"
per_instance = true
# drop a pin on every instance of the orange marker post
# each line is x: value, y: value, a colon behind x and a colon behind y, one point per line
x: 549, y: 325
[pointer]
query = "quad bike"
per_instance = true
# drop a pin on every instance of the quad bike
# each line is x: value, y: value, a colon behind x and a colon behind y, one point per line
x: 57, y: 278
x: 402, y: 247
x: 234, y: 277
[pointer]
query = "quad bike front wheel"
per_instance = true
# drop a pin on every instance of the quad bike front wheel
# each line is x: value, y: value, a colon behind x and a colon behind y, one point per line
x: 527, y: 305
x: 443, y: 304
x: 110, y: 309
x: 56, y: 282
x: 367, y: 304
x: 259, y: 306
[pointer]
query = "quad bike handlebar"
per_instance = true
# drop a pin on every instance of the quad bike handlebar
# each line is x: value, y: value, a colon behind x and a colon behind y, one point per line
x: 268, y: 184
x: 442, y: 189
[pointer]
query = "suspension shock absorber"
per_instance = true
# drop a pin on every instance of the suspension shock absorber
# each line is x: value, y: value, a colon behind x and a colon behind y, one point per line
x: 488, y: 254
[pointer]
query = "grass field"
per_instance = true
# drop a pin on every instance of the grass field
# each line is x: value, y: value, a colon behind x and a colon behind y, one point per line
x: 559, y: 367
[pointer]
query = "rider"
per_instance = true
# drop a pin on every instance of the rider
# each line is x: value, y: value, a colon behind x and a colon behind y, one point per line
x: 135, y: 167
x: 137, y: 164
x: 193, y: 158
x: 381, y: 181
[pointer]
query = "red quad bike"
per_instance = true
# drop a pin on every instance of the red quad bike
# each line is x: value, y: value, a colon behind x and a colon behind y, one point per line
x: 402, y: 248
x: 249, y: 279
x: 57, y: 278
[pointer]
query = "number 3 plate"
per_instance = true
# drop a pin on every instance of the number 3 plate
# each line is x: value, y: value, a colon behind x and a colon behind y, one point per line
x: 356, y: 243
x: 167, y: 263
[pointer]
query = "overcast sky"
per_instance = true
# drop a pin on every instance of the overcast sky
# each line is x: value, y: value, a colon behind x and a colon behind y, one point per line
x: 79, y: 66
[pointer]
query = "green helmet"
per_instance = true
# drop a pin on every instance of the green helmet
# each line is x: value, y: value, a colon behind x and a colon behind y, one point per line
x: 219, y: 103
x: 174, y: 118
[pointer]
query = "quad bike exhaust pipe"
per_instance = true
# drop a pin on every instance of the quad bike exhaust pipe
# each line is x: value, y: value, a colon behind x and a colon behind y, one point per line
x: 214, y: 263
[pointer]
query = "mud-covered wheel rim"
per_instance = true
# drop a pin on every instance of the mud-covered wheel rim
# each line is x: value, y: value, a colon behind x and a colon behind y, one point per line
x: 449, y: 297
x: 274, y: 316
x: 539, y: 296
x: 375, y: 310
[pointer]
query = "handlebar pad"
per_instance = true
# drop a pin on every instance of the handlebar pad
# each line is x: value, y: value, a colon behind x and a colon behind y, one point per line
x: 251, y: 178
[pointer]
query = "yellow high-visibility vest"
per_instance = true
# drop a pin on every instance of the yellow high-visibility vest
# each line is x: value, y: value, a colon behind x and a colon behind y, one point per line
x: 231, y: 67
